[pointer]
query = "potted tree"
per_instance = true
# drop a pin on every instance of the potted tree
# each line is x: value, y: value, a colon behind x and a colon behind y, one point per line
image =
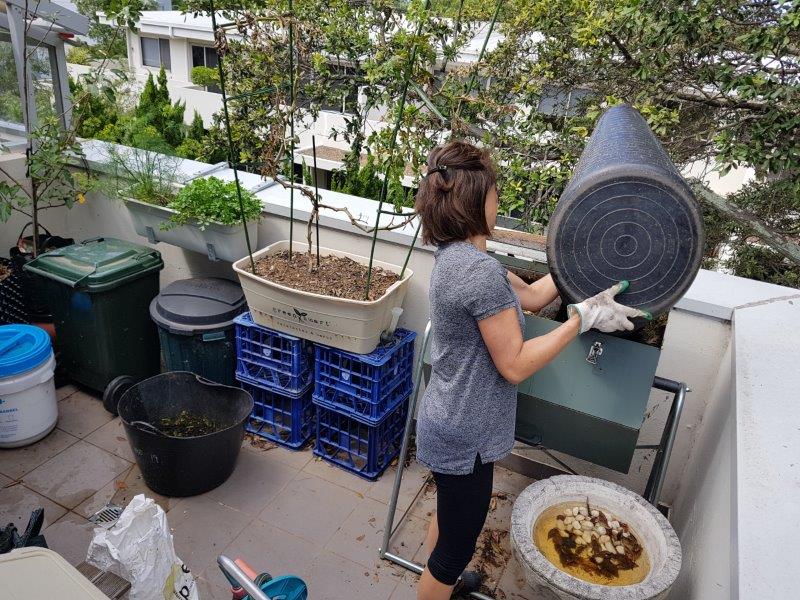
x: 322, y: 294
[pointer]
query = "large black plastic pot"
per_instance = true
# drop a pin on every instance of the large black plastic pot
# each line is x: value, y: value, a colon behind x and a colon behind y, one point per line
x: 184, y: 466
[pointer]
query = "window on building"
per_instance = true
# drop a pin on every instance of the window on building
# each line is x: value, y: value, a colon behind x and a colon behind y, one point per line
x: 155, y: 52
x: 561, y: 102
x: 204, y: 56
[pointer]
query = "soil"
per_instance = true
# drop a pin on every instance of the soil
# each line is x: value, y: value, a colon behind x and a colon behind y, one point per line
x: 187, y: 425
x: 338, y: 277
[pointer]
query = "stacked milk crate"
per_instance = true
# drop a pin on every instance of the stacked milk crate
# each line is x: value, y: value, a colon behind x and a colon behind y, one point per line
x: 362, y: 402
x: 278, y: 371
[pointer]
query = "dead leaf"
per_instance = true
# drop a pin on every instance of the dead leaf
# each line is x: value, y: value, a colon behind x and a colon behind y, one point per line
x: 360, y: 538
x: 120, y: 485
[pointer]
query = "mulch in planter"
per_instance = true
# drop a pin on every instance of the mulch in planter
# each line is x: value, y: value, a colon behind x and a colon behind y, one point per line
x: 339, y: 277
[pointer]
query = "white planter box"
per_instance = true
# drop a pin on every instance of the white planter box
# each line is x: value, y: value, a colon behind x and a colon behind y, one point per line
x: 352, y: 325
x: 218, y: 242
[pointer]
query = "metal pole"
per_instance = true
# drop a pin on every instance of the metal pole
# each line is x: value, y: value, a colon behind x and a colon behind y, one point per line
x: 291, y: 127
x: 232, y: 569
x: 658, y: 473
x: 401, y: 461
x: 316, y: 192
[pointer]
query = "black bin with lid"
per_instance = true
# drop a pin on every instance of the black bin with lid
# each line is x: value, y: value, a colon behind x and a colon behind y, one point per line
x: 195, y: 326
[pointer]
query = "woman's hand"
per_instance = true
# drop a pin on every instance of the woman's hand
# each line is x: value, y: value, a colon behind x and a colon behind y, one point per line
x: 603, y: 313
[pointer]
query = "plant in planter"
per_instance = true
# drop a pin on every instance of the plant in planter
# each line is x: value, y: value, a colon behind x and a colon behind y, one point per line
x: 336, y: 298
x: 211, y: 201
x: 202, y: 216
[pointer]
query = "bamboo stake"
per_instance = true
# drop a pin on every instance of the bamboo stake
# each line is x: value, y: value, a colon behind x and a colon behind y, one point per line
x: 291, y: 126
x: 468, y: 91
x: 471, y: 83
x: 392, y: 146
x: 316, y: 190
x: 232, y: 159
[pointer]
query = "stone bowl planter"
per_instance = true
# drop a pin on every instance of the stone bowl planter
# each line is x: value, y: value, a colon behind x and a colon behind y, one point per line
x: 652, y: 529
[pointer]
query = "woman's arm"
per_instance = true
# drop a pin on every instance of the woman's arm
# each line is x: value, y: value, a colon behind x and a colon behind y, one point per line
x: 515, y: 358
x: 537, y: 295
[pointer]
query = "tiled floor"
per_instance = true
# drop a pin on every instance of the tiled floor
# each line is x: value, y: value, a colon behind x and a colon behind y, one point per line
x: 282, y: 511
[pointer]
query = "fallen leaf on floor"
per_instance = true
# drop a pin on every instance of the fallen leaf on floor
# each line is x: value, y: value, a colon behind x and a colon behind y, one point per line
x: 120, y: 485
x: 360, y: 538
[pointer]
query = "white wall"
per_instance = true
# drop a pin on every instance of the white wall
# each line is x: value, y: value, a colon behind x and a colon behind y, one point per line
x: 702, y: 512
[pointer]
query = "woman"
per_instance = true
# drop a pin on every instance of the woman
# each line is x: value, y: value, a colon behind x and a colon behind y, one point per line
x: 478, y: 354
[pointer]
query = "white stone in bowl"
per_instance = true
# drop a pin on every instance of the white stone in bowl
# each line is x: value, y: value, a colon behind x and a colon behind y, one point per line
x: 651, y: 528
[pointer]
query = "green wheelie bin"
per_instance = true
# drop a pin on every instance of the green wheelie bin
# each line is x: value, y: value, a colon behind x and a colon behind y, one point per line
x: 99, y: 292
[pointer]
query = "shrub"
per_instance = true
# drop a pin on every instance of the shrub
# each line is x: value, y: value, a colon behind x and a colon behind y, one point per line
x: 211, y: 200
x: 205, y: 76
x: 78, y: 55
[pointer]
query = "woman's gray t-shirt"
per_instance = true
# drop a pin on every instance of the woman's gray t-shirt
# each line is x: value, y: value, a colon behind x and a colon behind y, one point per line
x: 468, y: 407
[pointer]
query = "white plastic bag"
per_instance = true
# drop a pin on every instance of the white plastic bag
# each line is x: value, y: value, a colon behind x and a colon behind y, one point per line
x: 139, y: 548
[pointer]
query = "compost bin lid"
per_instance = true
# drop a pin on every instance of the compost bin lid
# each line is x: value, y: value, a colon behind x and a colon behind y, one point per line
x: 41, y: 573
x: 199, y: 304
x: 97, y: 264
x: 22, y: 348
x: 626, y: 214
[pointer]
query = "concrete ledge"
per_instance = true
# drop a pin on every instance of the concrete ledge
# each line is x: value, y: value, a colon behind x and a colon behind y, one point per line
x: 766, y: 462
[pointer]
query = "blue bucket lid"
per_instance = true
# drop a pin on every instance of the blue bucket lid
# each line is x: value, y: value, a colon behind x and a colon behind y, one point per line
x: 22, y: 348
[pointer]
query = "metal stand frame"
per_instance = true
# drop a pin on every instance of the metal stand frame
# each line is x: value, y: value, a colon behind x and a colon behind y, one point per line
x: 652, y: 491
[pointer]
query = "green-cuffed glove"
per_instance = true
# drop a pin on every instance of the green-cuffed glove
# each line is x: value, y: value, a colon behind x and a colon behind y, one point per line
x: 601, y: 312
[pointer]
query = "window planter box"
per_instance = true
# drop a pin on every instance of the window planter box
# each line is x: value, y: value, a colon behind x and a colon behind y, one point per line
x: 352, y: 325
x: 218, y: 242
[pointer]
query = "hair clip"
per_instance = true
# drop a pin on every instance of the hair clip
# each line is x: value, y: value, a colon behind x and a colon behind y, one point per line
x: 436, y: 169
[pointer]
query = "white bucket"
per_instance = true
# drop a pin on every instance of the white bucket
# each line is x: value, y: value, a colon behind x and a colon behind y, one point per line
x: 28, y: 405
x: 352, y: 325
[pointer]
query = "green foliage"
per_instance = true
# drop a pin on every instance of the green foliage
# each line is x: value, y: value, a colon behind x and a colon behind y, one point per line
x: 758, y: 262
x: 158, y: 116
x: 109, y: 41
x: 79, y: 55
x: 191, y: 148
x: 210, y: 200
x: 715, y: 79
x: 51, y: 183
x: 205, y: 76
x: 150, y: 177
x: 366, y: 181
x: 197, y: 129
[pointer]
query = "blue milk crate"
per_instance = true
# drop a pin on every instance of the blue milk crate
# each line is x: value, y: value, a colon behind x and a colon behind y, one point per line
x: 361, y: 448
x: 270, y: 358
x: 365, y: 386
x: 286, y: 419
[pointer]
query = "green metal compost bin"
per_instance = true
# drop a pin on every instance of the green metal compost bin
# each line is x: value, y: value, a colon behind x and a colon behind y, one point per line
x: 195, y: 326
x: 590, y: 401
x: 99, y: 292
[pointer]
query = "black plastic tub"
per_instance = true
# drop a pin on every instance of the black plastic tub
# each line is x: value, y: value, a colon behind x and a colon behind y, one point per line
x: 210, y: 417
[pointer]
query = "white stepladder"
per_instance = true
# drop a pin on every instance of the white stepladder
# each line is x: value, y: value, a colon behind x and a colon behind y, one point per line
x: 389, y: 529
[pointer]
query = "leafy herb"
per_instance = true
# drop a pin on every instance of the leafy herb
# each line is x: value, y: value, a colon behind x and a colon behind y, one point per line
x: 211, y: 200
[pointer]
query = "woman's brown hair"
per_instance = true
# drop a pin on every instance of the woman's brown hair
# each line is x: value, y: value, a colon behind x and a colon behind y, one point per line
x: 451, y: 199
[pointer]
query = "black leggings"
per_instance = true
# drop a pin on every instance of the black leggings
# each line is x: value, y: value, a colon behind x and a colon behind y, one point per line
x: 462, y: 503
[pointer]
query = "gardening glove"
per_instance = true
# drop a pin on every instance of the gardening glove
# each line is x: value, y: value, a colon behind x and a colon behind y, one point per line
x: 601, y: 312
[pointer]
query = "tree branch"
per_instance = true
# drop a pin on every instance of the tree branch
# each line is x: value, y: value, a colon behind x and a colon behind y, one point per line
x: 782, y: 244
